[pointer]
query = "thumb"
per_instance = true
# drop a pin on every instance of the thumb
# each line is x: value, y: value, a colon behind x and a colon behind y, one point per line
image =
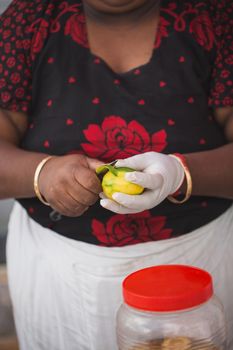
x: 93, y: 163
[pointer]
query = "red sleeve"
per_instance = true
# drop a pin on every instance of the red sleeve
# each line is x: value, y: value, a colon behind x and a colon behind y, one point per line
x: 222, y: 76
x: 17, y: 29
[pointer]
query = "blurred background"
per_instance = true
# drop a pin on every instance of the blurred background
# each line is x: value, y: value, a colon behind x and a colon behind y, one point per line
x: 5, y: 205
x: 5, y: 208
x: 8, y: 339
x: 3, y: 4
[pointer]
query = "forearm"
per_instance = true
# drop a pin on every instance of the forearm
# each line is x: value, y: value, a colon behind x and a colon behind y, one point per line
x: 17, y: 168
x: 212, y: 172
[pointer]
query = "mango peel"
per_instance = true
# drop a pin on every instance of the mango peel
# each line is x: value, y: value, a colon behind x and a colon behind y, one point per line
x: 113, y: 180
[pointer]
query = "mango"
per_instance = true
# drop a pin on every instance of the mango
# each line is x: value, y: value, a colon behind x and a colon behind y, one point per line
x: 114, y: 181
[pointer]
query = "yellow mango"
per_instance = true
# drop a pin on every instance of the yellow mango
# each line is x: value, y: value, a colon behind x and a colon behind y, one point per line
x: 114, y: 181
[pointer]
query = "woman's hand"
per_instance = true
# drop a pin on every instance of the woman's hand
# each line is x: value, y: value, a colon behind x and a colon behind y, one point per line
x: 69, y: 184
x: 160, y: 175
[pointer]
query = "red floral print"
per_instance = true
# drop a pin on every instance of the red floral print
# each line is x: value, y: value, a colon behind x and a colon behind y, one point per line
x: 19, y: 92
x: 11, y: 62
x: 225, y: 73
x: 39, y: 36
x: 227, y: 101
x: 162, y: 32
x: 2, y: 83
x: 7, y: 48
x: 26, y: 44
x: 76, y: 28
x: 6, y: 34
x: 219, y: 87
x: 202, y: 29
x: 15, y: 78
x: 229, y: 60
x: 5, y: 96
x: 18, y: 38
x: 121, y: 230
x: 117, y: 139
x: 7, y: 22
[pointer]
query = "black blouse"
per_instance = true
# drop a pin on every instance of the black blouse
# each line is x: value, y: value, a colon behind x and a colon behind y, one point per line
x: 77, y: 104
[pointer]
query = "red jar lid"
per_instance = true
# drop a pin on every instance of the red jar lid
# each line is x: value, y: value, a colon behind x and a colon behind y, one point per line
x: 167, y: 288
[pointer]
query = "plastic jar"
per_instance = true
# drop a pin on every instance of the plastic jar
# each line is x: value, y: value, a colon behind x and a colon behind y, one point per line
x: 170, y: 307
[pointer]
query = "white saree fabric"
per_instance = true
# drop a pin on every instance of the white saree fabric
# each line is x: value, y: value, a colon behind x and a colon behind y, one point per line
x: 66, y: 293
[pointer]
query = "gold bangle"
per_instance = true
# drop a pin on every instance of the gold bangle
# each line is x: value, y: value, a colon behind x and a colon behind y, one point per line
x: 181, y: 159
x: 36, y: 180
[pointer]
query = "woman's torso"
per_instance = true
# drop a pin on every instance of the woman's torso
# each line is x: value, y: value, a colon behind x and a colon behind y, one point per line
x: 79, y: 105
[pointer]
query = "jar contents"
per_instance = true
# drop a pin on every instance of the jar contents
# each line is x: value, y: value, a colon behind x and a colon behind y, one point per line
x: 175, y: 343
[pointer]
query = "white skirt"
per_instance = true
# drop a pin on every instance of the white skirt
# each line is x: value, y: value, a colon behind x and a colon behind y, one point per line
x: 66, y: 293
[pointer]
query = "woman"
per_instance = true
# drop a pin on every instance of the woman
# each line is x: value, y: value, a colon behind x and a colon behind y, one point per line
x: 88, y: 82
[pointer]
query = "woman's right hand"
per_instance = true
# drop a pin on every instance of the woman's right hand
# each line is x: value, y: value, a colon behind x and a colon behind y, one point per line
x: 69, y: 183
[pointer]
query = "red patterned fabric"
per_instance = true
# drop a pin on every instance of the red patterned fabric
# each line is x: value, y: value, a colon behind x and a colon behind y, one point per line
x: 118, y: 140
x: 23, y: 33
x: 77, y: 104
x: 136, y: 228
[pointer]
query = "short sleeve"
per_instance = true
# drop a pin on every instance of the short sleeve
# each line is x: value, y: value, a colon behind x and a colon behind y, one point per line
x: 16, y: 37
x: 221, y: 93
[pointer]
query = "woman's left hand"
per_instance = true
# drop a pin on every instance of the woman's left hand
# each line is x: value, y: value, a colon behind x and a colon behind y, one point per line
x: 160, y: 175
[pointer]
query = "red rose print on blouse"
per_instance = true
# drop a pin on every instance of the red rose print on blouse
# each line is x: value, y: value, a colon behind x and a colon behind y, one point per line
x: 121, y: 230
x: 202, y: 29
x: 117, y: 139
x: 76, y: 28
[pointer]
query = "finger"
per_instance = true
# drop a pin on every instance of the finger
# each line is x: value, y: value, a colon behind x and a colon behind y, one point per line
x: 144, y: 201
x: 81, y: 195
x: 93, y: 163
x: 102, y: 195
x: 135, y: 162
x: 115, y: 207
x: 130, y: 163
x: 88, y: 179
x: 150, y: 181
x: 68, y: 205
x: 73, y: 196
x: 73, y: 206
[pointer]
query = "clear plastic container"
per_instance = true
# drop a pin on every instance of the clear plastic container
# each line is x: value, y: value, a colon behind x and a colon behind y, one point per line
x: 170, y: 307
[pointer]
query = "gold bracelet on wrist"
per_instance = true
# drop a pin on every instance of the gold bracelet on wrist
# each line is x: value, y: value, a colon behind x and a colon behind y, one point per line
x: 36, y: 180
x: 181, y: 159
